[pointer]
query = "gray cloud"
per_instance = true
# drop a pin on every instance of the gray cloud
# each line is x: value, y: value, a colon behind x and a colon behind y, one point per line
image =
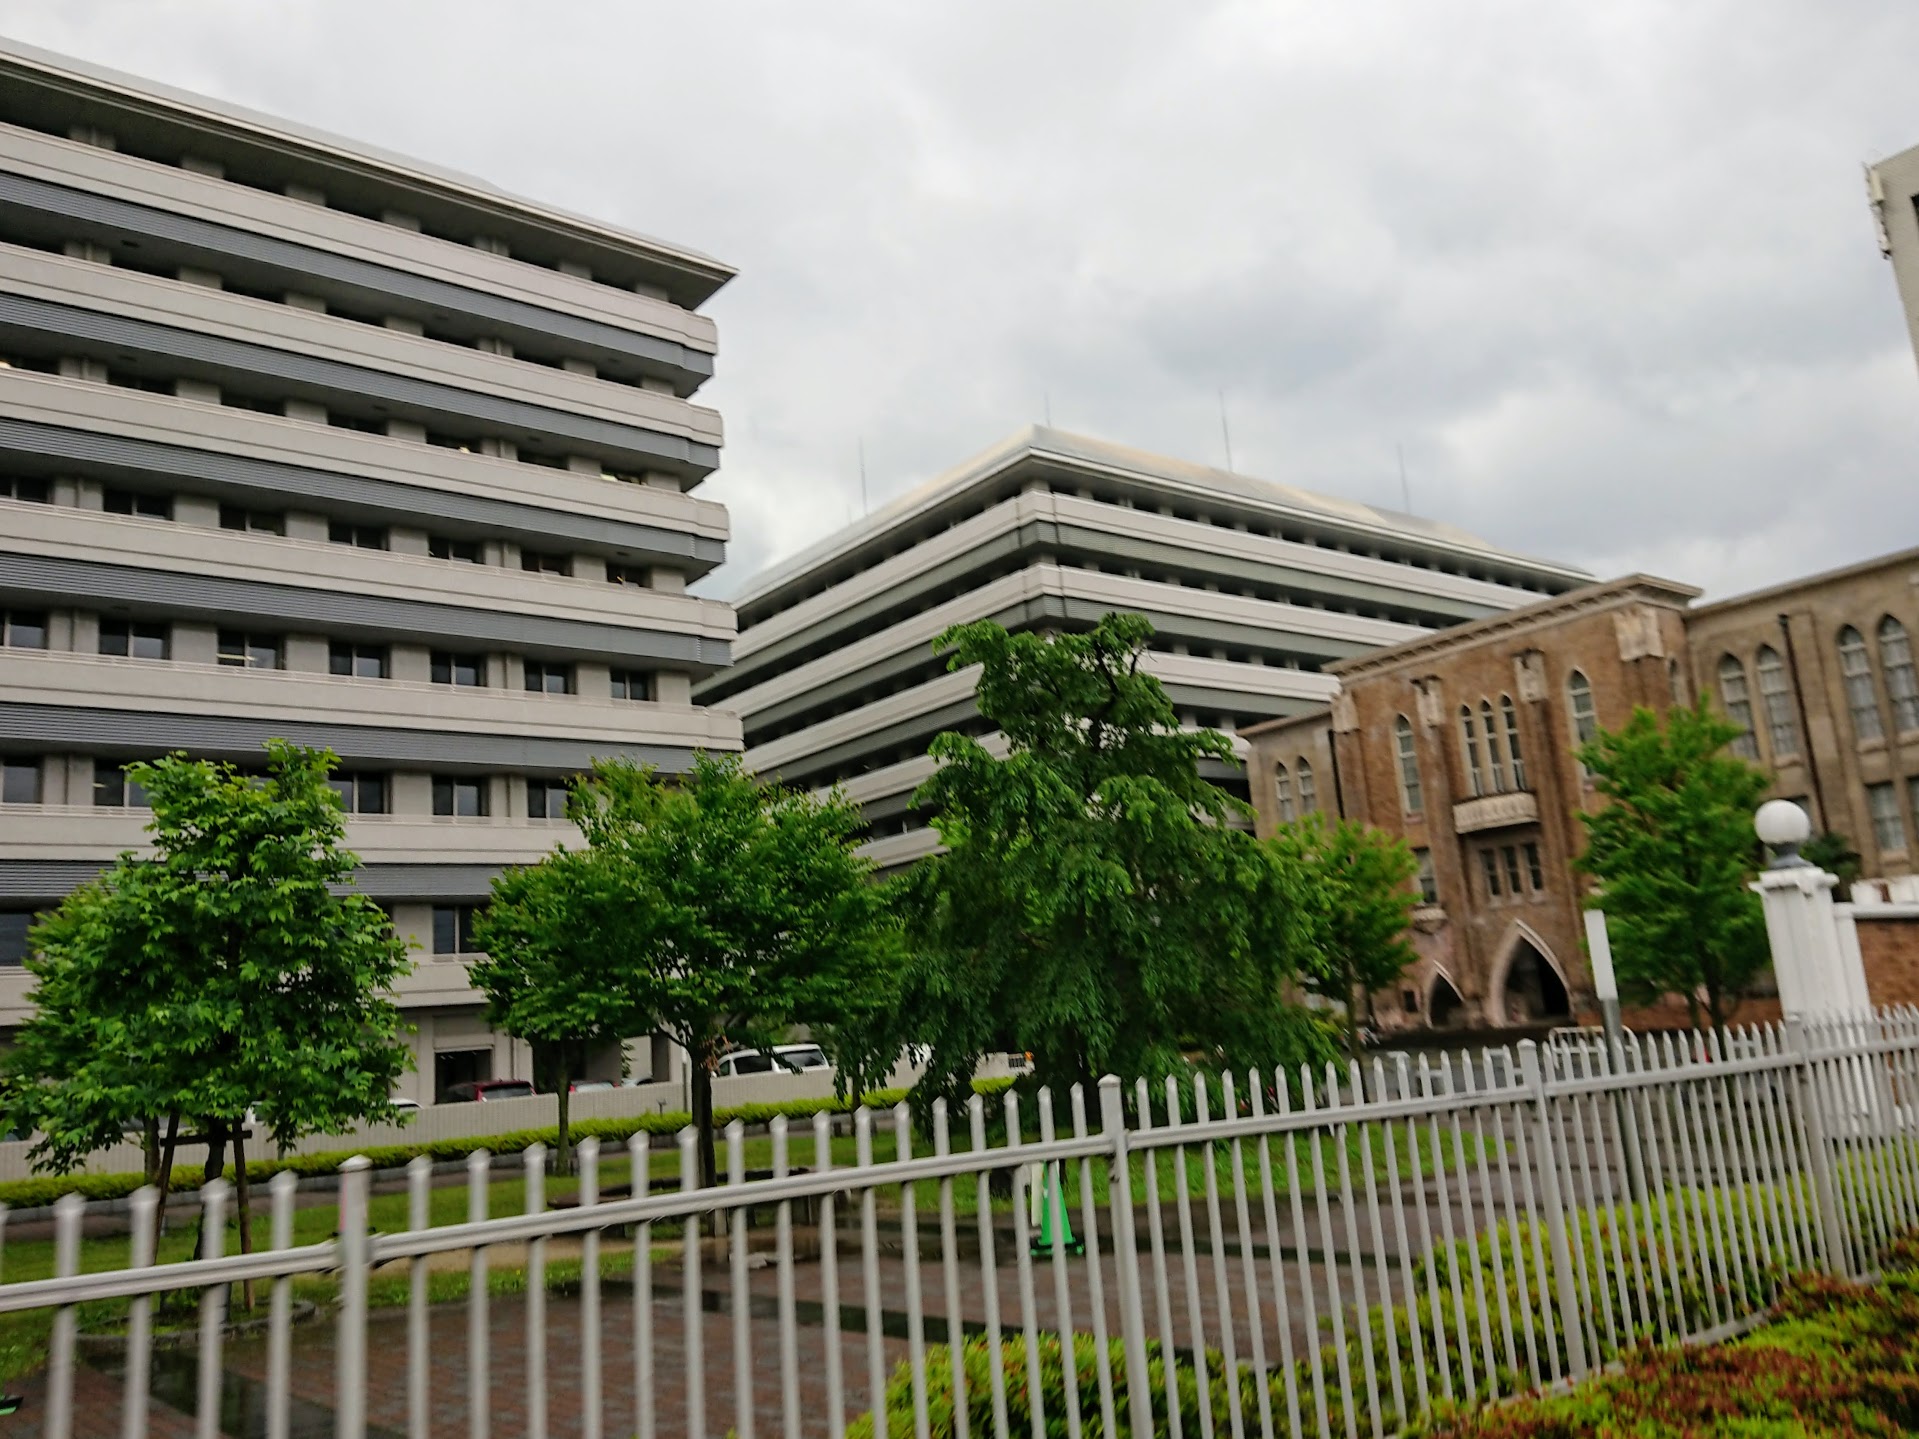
x: 1605, y: 272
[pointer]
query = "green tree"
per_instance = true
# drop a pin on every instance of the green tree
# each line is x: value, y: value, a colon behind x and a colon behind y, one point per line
x: 1672, y: 848
x: 233, y: 969
x: 1834, y: 853
x: 544, y: 968
x: 1356, y: 887
x: 712, y: 909
x: 1095, y: 906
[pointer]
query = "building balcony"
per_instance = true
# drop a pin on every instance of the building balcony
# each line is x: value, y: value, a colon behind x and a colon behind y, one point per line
x: 1495, y: 811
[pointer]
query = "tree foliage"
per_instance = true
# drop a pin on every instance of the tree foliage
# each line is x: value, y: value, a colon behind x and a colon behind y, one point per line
x: 713, y: 909
x: 1095, y: 905
x: 233, y: 969
x: 1356, y: 905
x: 1672, y: 848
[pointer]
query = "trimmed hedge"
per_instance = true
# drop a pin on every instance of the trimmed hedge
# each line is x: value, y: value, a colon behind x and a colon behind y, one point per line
x: 44, y: 1189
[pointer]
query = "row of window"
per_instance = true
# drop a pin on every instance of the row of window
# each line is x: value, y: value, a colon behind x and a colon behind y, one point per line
x: 271, y: 178
x: 452, y: 931
x: 495, y: 446
x: 1512, y: 870
x: 1896, y: 676
x: 1489, y: 743
x: 1308, y: 789
x: 147, y: 505
x: 346, y: 659
x: 360, y: 791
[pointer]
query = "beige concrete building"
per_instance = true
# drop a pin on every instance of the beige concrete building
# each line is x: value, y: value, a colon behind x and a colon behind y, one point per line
x: 1892, y: 188
x: 302, y: 439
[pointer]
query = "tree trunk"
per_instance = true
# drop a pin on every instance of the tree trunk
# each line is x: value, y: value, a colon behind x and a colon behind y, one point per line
x: 150, y: 1147
x: 216, y: 1150
x: 1353, y: 1046
x: 164, y: 1180
x: 563, y: 1151
x: 246, y: 1209
x: 702, y: 1086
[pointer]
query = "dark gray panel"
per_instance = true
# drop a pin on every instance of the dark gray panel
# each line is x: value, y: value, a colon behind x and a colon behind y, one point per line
x: 340, y: 614
x: 132, y: 733
x: 51, y: 879
x: 306, y: 260
x: 398, y: 503
x: 920, y: 729
x: 234, y: 357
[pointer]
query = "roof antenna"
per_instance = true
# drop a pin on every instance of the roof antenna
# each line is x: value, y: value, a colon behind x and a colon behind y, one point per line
x: 864, y: 507
x: 1405, y: 491
x: 1225, y: 433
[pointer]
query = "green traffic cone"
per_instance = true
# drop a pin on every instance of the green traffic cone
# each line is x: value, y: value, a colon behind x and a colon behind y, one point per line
x: 1052, y: 1214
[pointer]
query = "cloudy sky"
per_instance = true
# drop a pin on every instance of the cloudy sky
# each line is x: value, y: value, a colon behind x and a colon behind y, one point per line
x: 1604, y: 271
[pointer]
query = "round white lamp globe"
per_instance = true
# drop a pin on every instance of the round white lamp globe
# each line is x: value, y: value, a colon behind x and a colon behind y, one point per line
x: 1782, y: 825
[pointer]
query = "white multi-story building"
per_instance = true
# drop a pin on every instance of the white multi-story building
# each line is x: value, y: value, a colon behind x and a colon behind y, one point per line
x: 305, y: 440
x: 1251, y: 588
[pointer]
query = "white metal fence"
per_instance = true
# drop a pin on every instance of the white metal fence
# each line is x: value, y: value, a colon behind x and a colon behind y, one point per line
x: 1276, y: 1254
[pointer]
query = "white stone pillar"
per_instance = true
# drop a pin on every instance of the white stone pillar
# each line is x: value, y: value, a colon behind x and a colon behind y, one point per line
x: 1819, y: 976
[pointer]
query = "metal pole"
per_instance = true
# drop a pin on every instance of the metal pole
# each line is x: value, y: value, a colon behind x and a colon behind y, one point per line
x: 350, y: 1408
x: 1571, y: 1322
x: 1132, y: 1314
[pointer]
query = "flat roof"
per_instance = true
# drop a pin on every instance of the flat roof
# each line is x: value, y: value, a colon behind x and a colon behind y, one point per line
x: 245, y: 123
x: 1042, y: 443
x: 1455, y: 637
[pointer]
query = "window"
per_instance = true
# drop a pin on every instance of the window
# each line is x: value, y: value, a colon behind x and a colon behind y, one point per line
x: 113, y: 790
x: 1736, y: 699
x: 1511, y: 716
x: 545, y: 677
x: 23, y: 629
x: 1775, y: 694
x: 15, y: 925
x: 1426, y: 877
x: 1469, y: 742
x: 453, y: 928
x: 19, y: 780
x: 1410, y: 794
x: 540, y: 562
x: 360, y: 662
x: 1283, y: 793
x: 1308, y: 788
x: 632, y: 685
x: 142, y: 506
x: 360, y: 792
x: 1409, y: 1001
x: 450, y: 668
x: 458, y: 797
x: 249, y: 651
x: 1862, y: 698
x: 1495, y: 750
x: 134, y: 641
x: 1534, y: 869
x: 639, y: 576
x: 546, y: 799
x: 1902, y: 686
x: 24, y: 488
x: 364, y: 537
x: 1585, y: 717
x: 1510, y: 854
x: 1888, y: 828
x: 253, y: 522
x: 465, y: 551
x: 1489, y: 862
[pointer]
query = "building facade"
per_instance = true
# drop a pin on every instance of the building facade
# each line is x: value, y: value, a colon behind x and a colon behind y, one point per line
x: 1820, y: 675
x: 1892, y: 189
x: 1462, y: 743
x: 1253, y: 589
x: 305, y: 440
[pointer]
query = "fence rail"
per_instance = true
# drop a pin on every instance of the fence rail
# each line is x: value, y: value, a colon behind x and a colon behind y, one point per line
x: 1313, y: 1254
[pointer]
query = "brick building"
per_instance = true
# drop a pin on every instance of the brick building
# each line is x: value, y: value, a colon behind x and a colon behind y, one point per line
x: 1820, y: 674
x: 1462, y: 743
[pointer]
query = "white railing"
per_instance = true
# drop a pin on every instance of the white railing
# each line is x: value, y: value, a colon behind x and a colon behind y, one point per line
x: 1304, y: 1254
